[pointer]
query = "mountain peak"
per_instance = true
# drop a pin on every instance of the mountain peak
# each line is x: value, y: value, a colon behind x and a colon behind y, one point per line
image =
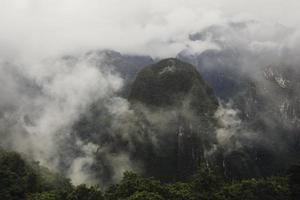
x: 172, y: 82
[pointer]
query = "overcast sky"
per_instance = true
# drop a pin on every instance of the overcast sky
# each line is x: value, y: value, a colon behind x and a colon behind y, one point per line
x: 156, y: 27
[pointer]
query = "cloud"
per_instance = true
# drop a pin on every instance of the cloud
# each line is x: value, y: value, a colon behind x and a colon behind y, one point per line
x: 229, y: 124
x: 43, y: 95
x: 159, y: 28
x: 40, y: 102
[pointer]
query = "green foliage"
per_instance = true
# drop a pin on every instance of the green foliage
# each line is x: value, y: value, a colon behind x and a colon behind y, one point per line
x: 82, y: 192
x: 206, y: 182
x: 16, y: 178
x: 23, y: 180
x: 145, y: 196
x: 262, y: 189
x: 207, y: 179
x: 179, y: 191
x: 42, y: 196
x: 130, y: 184
x: 20, y: 180
x: 206, y: 185
x: 294, y: 181
x: 133, y: 186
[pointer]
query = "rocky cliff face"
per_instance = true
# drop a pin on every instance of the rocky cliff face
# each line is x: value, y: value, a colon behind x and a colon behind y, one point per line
x: 174, y: 90
x: 262, y: 86
x: 171, y: 125
x: 163, y: 129
x: 283, y: 86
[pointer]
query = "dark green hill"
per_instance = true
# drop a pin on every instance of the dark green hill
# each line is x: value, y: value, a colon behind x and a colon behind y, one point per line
x: 171, y: 82
x: 176, y: 108
x: 23, y: 179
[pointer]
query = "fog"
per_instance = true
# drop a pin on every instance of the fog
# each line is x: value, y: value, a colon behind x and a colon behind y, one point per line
x: 160, y: 28
x: 48, y: 81
x: 41, y: 101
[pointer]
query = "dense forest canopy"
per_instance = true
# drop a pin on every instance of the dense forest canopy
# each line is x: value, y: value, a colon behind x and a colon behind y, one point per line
x: 28, y: 180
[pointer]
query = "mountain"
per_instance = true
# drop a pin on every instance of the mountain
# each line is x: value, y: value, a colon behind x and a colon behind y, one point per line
x: 174, y: 93
x: 126, y: 65
x: 163, y: 129
x: 171, y: 82
x: 263, y: 89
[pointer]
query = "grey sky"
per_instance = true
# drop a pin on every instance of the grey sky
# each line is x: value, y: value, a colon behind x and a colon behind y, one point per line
x: 156, y: 27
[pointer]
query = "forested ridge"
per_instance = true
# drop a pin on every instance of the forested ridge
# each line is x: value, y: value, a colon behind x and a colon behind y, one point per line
x: 20, y: 179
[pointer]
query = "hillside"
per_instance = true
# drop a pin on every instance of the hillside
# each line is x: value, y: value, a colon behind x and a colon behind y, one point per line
x: 21, y: 179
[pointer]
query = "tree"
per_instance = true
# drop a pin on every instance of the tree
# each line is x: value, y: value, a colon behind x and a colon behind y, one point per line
x: 131, y: 184
x: 262, y: 189
x: 82, y: 192
x: 14, y: 176
x: 42, y: 196
x: 144, y: 195
x: 294, y: 181
x: 179, y: 191
x: 206, y: 182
